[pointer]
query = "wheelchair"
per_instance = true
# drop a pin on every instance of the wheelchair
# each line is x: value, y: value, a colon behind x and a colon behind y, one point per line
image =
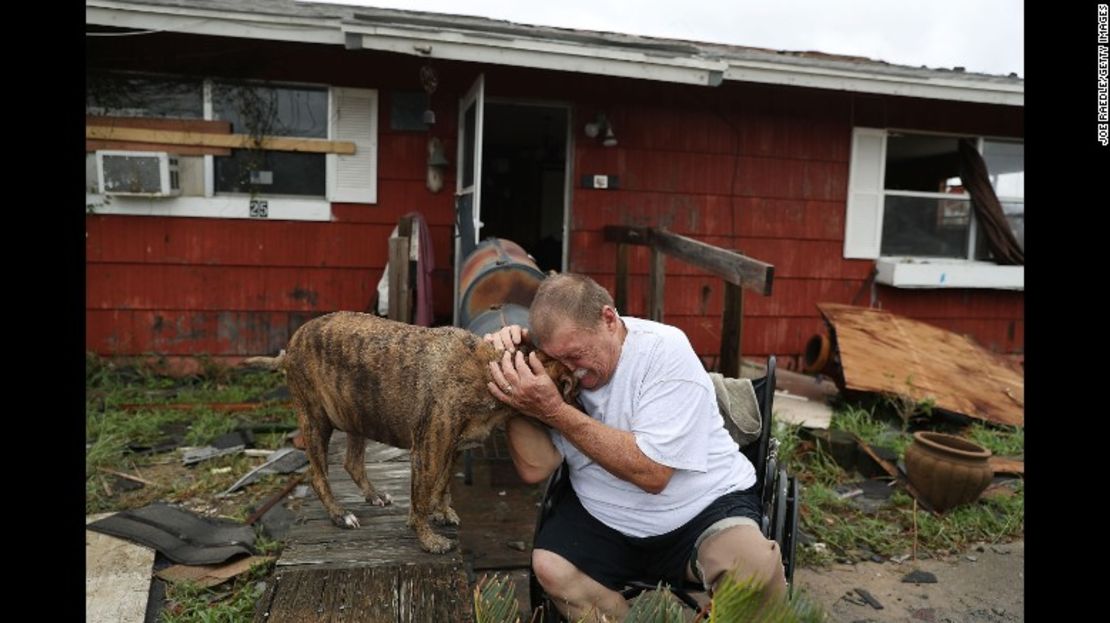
x: 779, y: 521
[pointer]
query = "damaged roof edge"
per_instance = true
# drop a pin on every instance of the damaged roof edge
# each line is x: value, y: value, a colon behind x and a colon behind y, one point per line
x: 540, y: 54
x: 942, y: 88
x: 217, y: 23
x: 503, y: 43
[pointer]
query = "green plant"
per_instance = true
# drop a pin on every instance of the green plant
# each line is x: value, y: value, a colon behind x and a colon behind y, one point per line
x: 265, y: 546
x: 843, y: 529
x: 1000, y: 440
x: 906, y: 406
x: 207, y: 425
x: 860, y: 422
x: 991, y: 519
x: 189, y: 603
x: 655, y: 606
x: 495, y: 600
x: 736, y: 600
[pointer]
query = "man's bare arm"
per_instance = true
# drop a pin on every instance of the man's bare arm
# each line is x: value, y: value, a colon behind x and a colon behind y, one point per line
x: 530, y: 447
x: 613, y: 449
x: 523, y: 384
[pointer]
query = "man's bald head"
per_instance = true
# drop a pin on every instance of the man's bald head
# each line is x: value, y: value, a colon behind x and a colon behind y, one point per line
x: 563, y: 298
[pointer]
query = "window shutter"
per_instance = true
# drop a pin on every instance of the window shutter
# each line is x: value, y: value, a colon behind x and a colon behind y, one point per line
x: 354, y: 117
x: 863, y: 224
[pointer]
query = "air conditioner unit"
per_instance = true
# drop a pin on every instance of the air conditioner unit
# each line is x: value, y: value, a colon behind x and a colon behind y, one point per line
x: 137, y: 173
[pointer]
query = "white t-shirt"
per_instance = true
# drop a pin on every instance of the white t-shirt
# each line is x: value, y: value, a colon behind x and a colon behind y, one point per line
x: 661, y: 393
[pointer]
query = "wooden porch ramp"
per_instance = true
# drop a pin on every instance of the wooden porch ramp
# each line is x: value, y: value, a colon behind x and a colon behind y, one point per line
x: 376, y: 573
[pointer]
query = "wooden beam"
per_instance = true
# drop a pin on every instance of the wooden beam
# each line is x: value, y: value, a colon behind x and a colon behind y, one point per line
x: 234, y: 141
x: 621, y: 295
x: 658, y: 281
x: 728, y: 265
x: 399, y: 279
x: 732, y: 325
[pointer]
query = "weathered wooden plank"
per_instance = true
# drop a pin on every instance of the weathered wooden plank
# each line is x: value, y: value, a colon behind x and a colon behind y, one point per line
x: 621, y: 291
x: 373, y: 573
x: 292, y: 598
x: 728, y: 265
x: 234, y: 141
x: 377, y: 601
x: 658, y: 279
x: 396, y: 593
x: 884, y: 353
x: 399, y: 279
x: 732, y: 330
x: 387, y: 547
x: 427, y: 594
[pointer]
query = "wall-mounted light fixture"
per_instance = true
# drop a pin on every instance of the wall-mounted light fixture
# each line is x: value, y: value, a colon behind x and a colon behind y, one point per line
x: 601, y: 126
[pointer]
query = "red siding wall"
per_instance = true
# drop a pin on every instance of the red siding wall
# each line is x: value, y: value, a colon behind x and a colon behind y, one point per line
x: 762, y: 169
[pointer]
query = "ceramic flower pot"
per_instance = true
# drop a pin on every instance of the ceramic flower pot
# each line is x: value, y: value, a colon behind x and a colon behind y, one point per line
x: 947, y: 470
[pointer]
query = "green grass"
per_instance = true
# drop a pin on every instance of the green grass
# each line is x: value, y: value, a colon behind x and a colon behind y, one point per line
x: 110, y: 428
x: 224, y: 603
x: 990, y: 520
x: 871, y: 425
x: 849, y: 532
x: 207, y: 425
x: 1000, y: 440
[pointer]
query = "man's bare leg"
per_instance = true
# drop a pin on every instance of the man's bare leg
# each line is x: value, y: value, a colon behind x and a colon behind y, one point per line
x: 745, y: 549
x: 577, y: 595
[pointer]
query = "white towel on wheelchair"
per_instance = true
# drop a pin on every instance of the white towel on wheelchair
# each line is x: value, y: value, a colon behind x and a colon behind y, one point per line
x: 739, y: 407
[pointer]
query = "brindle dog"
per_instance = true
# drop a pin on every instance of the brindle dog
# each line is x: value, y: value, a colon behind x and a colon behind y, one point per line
x: 403, y: 385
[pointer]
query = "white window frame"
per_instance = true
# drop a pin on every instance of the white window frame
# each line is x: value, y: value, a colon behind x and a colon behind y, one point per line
x: 864, y: 225
x: 340, y: 184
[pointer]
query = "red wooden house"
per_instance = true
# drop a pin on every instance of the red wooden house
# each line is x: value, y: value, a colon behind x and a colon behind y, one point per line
x: 837, y: 170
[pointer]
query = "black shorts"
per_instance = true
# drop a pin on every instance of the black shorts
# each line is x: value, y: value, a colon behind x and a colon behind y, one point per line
x: 612, y: 558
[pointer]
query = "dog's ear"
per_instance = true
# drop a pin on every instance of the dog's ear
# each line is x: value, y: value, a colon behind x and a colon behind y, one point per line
x: 568, y: 386
x: 561, y: 375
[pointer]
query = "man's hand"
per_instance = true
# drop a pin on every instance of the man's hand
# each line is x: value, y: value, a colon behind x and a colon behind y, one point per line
x: 508, y: 338
x: 524, y: 385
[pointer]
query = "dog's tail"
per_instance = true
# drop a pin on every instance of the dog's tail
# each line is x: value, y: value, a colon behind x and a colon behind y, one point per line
x: 265, y: 363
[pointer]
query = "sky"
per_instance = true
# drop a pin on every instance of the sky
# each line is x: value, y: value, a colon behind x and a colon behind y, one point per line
x: 985, y: 36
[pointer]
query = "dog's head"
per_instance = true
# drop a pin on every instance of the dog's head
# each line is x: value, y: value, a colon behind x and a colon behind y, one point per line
x: 561, y: 375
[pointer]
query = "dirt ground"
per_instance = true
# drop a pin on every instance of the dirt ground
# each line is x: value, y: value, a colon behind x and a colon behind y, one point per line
x: 983, y: 585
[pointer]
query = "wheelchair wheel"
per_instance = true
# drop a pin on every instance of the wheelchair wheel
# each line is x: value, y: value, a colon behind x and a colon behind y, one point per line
x: 779, y: 516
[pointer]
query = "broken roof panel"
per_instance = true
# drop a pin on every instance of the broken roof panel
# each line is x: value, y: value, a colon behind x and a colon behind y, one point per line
x: 884, y: 353
x: 479, y: 39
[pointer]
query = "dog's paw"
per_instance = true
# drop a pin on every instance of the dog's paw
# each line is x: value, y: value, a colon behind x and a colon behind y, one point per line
x: 380, y: 499
x: 446, y: 517
x: 436, y: 544
x: 346, y: 520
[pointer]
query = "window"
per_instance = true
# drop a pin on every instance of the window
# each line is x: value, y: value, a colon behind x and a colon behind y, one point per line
x: 1006, y: 167
x: 926, y: 212
x: 125, y: 95
x: 245, y: 183
x: 906, y: 202
x: 271, y: 111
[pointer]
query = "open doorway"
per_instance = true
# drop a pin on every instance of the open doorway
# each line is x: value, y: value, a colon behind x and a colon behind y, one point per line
x: 524, y: 178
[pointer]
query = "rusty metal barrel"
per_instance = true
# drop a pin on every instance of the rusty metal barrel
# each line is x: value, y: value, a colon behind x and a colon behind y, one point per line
x: 497, y: 281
